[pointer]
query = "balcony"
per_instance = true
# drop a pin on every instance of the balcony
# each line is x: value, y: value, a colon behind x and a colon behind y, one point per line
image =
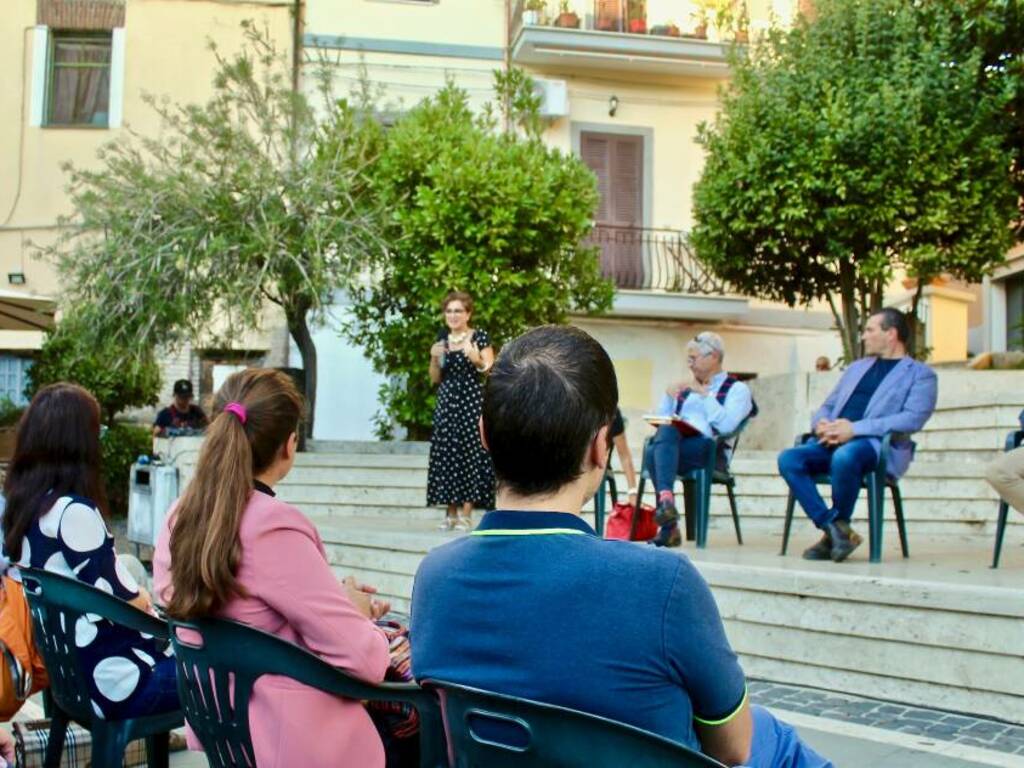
x: 656, y: 274
x: 611, y: 34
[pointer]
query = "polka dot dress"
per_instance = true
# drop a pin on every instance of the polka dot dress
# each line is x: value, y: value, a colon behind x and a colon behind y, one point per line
x: 72, y: 540
x: 460, y: 469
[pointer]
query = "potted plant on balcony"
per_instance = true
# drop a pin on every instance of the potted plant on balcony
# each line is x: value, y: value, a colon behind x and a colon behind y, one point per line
x: 567, y: 18
x: 700, y: 18
x: 533, y: 11
x: 637, y: 18
x: 666, y: 30
x: 741, y: 29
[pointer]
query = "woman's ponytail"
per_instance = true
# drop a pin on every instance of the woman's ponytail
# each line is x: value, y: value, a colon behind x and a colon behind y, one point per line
x: 255, y: 413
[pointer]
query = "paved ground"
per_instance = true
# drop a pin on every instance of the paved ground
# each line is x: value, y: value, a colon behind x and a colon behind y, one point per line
x: 939, y: 726
x: 853, y: 732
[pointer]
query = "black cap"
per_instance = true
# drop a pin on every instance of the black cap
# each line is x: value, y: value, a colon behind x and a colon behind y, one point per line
x: 183, y: 388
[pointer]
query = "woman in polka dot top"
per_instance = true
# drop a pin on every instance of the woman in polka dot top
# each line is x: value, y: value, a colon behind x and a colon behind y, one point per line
x: 54, y: 521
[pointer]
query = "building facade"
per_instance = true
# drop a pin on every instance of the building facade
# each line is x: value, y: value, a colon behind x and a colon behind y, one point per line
x: 77, y: 74
x: 624, y: 86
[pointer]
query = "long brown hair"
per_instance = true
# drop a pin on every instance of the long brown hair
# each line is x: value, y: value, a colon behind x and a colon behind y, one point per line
x: 56, y: 453
x: 205, y: 549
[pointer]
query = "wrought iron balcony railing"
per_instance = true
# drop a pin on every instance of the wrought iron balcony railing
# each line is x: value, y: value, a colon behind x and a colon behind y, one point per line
x: 637, y: 258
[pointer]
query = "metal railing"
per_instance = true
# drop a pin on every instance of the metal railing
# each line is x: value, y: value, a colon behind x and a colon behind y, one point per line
x: 636, y: 258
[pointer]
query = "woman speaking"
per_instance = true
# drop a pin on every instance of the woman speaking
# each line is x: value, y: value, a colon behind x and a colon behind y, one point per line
x: 460, y: 472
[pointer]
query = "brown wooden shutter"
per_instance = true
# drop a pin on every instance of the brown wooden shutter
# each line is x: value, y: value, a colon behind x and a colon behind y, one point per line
x: 594, y: 150
x: 617, y: 161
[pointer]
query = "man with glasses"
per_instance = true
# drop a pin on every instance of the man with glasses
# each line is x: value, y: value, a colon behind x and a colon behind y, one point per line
x: 713, y: 403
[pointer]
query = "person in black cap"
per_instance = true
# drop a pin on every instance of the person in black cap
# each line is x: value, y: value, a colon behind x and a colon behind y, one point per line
x: 182, y: 413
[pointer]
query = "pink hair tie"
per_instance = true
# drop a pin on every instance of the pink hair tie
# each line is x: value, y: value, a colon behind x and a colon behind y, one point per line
x: 238, y: 409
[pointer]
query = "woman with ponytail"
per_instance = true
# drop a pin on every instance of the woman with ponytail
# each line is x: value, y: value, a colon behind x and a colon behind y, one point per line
x: 230, y: 549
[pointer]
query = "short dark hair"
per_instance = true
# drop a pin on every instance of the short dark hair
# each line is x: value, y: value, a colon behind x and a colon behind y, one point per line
x: 894, y: 318
x: 548, y: 394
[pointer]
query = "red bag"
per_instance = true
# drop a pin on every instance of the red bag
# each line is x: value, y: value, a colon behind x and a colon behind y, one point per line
x: 621, y: 518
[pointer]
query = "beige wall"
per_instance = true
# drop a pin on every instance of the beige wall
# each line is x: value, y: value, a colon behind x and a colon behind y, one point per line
x: 455, y: 22
x: 166, y: 53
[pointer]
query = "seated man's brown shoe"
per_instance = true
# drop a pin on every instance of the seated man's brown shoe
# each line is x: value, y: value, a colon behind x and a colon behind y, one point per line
x: 820, y: 551
x: 844, y: 540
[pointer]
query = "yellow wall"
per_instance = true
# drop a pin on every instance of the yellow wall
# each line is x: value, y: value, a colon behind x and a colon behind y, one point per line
x: 165, y: 54
x: 947, y: 328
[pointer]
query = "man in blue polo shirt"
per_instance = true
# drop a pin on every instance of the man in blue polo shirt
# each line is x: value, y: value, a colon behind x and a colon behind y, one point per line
x: 534, y: 604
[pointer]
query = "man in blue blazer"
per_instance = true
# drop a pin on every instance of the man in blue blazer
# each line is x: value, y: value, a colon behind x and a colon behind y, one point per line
x: 884, y: 391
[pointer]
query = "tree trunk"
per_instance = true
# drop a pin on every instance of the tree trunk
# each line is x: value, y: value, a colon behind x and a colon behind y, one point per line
x: 912, y: 348
x: 850, y: 329
x: 299, y: 330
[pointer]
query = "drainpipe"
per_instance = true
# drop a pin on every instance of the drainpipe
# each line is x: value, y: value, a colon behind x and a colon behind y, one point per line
x: 508, y: 55
x: 297, y: 46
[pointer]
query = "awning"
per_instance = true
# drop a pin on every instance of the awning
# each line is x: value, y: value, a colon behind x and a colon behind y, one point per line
x: 25, y: 312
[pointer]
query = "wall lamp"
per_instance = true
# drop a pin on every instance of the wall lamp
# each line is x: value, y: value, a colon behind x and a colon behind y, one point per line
x: 613, y: 106
x: 16, y: 278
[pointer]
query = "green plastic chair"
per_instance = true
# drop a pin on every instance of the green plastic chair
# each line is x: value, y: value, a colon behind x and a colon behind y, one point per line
x: 490, y: 730
x: 56, y: 603
x: 224, y: 657
x: 1013, y: 441
x: 600, y: 501
x: 697, y: 487
x: 875, y: 481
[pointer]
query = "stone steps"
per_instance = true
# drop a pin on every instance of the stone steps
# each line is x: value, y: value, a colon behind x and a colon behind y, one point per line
x: 940, y: 629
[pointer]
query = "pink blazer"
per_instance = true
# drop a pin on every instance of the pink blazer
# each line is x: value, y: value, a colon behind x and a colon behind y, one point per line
x: 293, y: 594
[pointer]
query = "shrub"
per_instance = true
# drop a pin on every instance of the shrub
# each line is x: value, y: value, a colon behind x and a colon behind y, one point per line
x: 122, y: 444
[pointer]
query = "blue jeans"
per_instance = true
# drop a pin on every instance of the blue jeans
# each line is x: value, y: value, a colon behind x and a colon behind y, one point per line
x: 160, y: 694
x: 672, y: 454
x: 846, y: 465
x: 777, y: 745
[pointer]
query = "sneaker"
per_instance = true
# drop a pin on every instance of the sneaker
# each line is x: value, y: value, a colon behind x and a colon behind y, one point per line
x: 448, y: 524
x: 671, y: 539
x: 844, y: 540
x: 666, y: 513
x: 463, y: 524
x: 820, y: 551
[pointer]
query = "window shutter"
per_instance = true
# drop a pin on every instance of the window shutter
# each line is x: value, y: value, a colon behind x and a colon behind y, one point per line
x: 627, y: 190
x: 594, y: 151
x: 116, y: 78
x: 40, y: 52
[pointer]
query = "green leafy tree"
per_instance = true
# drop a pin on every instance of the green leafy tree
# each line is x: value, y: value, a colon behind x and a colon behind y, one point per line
x: 854, y: 145
x: 996, y: 28
x: 254, y: 198
x: 475, y: 208
x: 72, y: 354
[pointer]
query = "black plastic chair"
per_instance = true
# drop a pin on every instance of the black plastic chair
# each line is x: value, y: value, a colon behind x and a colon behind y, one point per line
x: 875, y: 481
x: 56, y: 603
x: 1013, y: 441
x: 490, y: 730
x: 697, y: 486
x: 228, y: 657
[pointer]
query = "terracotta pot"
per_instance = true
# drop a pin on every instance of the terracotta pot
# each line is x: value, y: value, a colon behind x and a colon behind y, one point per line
x: 568, y: 21
x: 701, y: 31
x: 638, y: 26
x: 741, y: 36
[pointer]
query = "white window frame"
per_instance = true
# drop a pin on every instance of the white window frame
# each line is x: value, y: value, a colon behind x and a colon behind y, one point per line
x: 40, y: 67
